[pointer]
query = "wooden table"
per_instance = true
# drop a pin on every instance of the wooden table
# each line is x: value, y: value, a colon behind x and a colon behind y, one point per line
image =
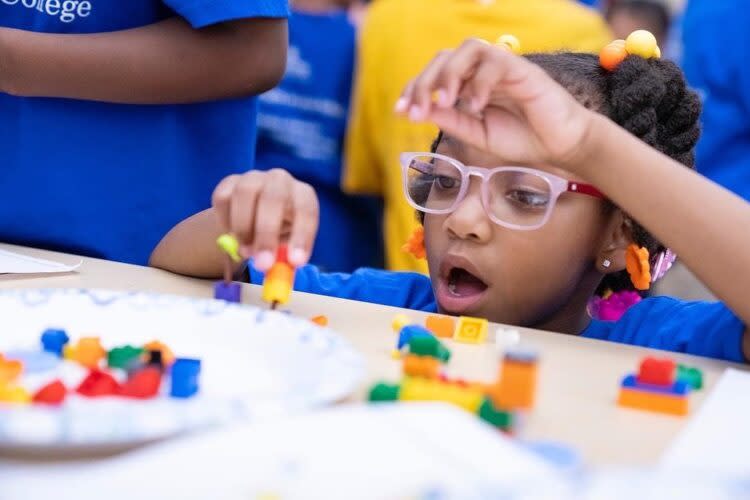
x: 578, y: 377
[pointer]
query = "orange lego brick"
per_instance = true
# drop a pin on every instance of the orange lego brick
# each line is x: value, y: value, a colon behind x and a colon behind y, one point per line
x: 9, y: 370
x: 167, y: 356
x: 320, y: 320
x: 652, y: 401
x: 440, y: 326
x: 517, y: 386
x: 421, y: 366
x: 88, y: 352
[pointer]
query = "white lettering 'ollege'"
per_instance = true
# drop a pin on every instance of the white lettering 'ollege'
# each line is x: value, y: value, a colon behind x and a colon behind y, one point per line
x: 65, y: 10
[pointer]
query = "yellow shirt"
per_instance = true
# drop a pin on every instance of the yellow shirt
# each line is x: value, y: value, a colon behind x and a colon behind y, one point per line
x: 398, y: 39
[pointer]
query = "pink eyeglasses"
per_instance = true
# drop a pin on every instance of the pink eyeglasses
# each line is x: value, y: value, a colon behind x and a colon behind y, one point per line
x: 513, y: 197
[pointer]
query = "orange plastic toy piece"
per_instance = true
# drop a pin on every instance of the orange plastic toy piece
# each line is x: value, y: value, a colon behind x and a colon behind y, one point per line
x: 637, y: 265
x: 517, y: 386
x: 441, y: 326
x: 279, y: 280
x: 9, y: 370
x: 51, y: 394
x: 415, y: 244
x: 167, y: 356
x: 88, y: 352
x: 320, y: 320
x: 421, y: 366
x: 652, y: 401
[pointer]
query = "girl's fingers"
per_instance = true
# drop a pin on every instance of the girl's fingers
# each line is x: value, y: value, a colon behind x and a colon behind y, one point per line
x: 242, y: 210
x: 272, y: 204
x: 221, y: 200
x: 483, y: 83
x: 460, y: 124
x: 424, y: 86
x: 305, y: 218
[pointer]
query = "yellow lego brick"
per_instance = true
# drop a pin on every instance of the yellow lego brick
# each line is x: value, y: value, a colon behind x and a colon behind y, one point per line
x: 399, y: 321
x: 652, y: 401
x: 471, y: 330
x: 14, y: 394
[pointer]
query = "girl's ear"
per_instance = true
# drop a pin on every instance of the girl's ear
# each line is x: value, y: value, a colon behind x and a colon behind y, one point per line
x: 618, y: 235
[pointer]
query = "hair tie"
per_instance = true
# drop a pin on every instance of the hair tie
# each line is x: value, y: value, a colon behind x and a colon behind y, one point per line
x: 415, y: 244
x: 639, y: 43
x: 509, y: 42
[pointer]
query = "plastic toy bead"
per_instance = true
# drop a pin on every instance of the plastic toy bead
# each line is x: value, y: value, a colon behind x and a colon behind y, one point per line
x: 511, y: 42
x: 641, y: 43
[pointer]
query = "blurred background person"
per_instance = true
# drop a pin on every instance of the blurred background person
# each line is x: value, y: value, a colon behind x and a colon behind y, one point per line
x: 627, y: 16
x: 301, y: 128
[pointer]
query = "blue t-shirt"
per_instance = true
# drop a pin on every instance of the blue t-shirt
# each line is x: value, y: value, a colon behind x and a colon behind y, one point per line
x: 700, y: 328
x: 109, y: 180
x: 301, y: 128
x: 715, y: 55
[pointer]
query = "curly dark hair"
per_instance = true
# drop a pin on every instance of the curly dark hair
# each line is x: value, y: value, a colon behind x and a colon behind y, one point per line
x: 647, y: 97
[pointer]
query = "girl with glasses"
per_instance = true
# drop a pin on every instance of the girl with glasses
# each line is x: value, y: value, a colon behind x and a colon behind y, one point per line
x: 555, y: 178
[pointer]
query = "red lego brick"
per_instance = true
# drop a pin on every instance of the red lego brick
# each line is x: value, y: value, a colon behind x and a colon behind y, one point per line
x: 657, y: 371
x: 51, y: 394
x: 98, y: 383
x: 143, y: 384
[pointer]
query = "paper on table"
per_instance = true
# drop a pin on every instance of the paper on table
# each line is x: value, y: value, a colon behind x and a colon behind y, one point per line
x: 717, y: 439
x: 14, y: 263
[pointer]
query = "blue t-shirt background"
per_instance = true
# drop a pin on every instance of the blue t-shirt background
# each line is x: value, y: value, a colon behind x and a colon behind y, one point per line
x: 715, y: 57
x: 301, y: 128
x: 110, y: 180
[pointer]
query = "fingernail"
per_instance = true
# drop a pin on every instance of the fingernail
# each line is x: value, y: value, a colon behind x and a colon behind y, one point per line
x: 297, y: 256
x: 401, y: 105
x: 263, y: 261
x: 415, y: 113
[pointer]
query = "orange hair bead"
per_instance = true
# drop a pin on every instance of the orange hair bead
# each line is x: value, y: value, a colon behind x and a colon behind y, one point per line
x: 612, y: 55
x: 638, y: 267
x: 415, y: 244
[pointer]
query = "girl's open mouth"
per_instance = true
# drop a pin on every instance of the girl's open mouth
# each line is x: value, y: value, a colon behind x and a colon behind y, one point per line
x: 459, y: 288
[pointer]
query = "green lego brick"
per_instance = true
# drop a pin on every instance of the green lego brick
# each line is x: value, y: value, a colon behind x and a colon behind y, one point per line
x: 123, y: 357
x: 498, y: 418
x: 692, y: 376
x: 429, y: 346
x: 384, y: 392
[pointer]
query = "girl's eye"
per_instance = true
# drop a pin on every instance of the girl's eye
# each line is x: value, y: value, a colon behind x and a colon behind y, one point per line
x: 528, y: 199
x: 444, y: 182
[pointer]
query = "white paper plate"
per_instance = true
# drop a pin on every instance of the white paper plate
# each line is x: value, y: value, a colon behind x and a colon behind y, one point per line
x: 255, y: 364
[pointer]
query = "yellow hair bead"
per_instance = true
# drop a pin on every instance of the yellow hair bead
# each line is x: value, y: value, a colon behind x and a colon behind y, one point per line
x: 657, y: 52
x: 510, y: 42
x: 641, y: 43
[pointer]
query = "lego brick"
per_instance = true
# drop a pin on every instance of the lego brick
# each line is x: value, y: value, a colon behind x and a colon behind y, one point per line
x: 230, y: 292
x: 124, y: 357
x: 409, y: 332
x: 421, y: 366
x: 52, y: 394
x: 143, y: 384
x: 98, y: 383
x: 691, y: 376
x: 185, y: 375
x: 167, y: 356
x: 14, y: 394
x: 679, y: 388
x: 53, y: 340
x: 471, y: 330
x: 10, y: 370
x: 440, y: 326
x: 651, y: 401
x: 655, y: 371
x: 498, y: 418
x: 399, y: 322
x: 384, y: 392
x: 429, y: 346
x: 88, y: 352
x: 320, y: 320
x: 517, y: 386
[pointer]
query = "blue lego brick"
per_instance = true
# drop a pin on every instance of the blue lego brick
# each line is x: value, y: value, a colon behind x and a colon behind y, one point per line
x: 409, y: 332
x: 231, y: 292
x: 679, y: 388
x: 53, y: 341
x: 185, y: 374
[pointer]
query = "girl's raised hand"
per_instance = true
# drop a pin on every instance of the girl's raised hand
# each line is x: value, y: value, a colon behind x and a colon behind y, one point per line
x: 499, y: 102
x: 265, y: 209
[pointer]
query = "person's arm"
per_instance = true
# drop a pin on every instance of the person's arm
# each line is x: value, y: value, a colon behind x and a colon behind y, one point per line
x: 520, y: 113
x: 164, y: 63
